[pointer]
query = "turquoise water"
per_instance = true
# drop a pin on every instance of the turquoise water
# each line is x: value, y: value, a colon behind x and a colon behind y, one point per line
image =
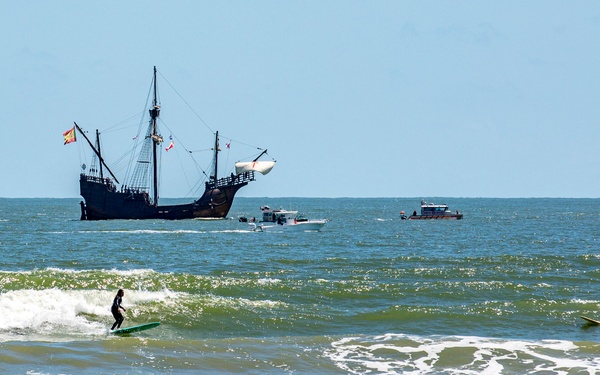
x: 499, y: 292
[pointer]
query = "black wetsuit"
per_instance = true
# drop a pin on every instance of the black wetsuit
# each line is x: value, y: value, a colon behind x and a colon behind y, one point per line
x: 116, y: 313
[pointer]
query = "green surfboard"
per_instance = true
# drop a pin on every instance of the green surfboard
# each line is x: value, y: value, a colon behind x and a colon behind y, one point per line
x: 590, y: 321
x: 141, y: 327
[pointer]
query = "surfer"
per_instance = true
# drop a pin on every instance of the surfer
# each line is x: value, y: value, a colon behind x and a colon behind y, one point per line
x: 116, y: 309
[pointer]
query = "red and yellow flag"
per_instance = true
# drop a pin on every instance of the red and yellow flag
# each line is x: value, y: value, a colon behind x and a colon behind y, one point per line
x: 70, y: 136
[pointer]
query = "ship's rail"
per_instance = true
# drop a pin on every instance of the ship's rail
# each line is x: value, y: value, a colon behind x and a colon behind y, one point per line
x: 95, y: 179
x: 242, y: 178
x: 99, y: 180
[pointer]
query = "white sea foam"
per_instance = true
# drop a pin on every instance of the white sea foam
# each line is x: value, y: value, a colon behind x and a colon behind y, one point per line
x: 233, y: 231
x: 133, y: 272
x: 398, y: 353
x: 583, y: 301
x: 144, y: 231
x: 158, y: 231
x: 269, y: 280
x: 50, y: 313
x: 212, y: 300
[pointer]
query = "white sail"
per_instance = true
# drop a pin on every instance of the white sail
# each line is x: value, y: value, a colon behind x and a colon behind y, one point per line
x: 263, y: 167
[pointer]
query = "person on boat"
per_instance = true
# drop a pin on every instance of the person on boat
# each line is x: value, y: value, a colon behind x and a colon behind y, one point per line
x: 116, y: 309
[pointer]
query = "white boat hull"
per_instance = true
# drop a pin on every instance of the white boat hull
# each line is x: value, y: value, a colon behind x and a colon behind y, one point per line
x: 311, y: 225
x: 285, y: 221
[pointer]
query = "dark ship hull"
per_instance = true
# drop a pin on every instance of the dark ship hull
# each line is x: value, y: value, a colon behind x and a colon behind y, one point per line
x: 103, y: 202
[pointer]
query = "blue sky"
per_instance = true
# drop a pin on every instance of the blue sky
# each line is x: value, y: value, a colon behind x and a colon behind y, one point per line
x: 352, y: 98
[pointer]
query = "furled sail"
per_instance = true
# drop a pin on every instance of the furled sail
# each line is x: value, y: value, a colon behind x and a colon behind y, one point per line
x: 263, y: 167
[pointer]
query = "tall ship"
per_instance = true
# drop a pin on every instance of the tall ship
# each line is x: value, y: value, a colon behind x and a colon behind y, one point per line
x: 105, y: 197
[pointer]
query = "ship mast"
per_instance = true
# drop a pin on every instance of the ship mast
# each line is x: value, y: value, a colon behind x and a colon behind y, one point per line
x: 216, y: 164
x: 157, y: 139
x: 97, y: 152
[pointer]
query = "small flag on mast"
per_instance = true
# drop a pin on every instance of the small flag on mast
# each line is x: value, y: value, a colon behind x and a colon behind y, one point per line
x: 70, y: 136
x: 170, y: 146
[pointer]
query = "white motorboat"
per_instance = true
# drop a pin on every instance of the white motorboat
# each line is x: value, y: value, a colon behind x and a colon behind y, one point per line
x: 283, y: 220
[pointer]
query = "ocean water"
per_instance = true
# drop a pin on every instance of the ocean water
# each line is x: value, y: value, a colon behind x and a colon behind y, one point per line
x: 500, y: 292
